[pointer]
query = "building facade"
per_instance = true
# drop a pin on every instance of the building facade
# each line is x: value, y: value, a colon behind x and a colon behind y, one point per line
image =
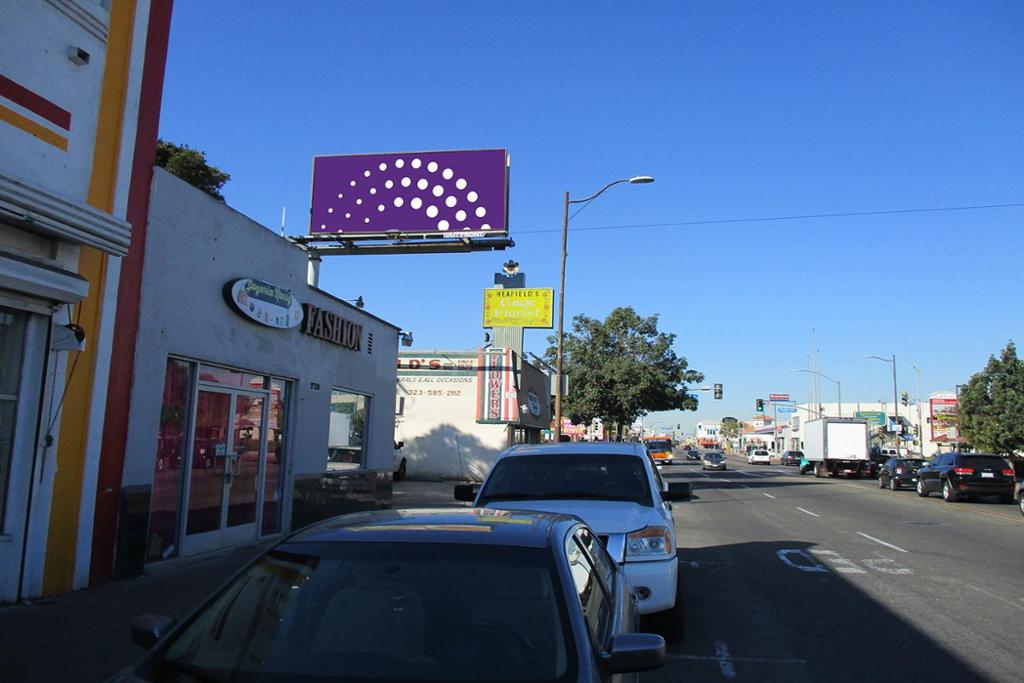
x: 259, y: 403
x: 74, y: 121
x: 457, y: 410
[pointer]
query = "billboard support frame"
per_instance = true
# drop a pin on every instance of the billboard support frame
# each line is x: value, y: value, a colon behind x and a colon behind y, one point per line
x: 318, y: 245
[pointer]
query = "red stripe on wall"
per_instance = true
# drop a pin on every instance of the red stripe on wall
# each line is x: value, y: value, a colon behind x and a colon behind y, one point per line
x: 122, y: 359
x: 36, y: 104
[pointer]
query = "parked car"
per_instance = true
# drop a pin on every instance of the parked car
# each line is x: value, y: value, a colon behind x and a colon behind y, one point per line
x: 967, y: 474
x: 898, y: 472
x: 791, y: 457
x: 759, y: 457
x: 616, y: 489
x: 713, y: 461
x: 1020, y: 497
x: 410, y: 595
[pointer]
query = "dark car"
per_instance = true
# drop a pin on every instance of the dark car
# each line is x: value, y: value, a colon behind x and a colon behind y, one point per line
x: 415, y: 595
x: 967, y: 474
x: 897, y: 472
x: 692, y: 454
x: 713, y: 461
x: 791, y: 458
x: 1020, y: 497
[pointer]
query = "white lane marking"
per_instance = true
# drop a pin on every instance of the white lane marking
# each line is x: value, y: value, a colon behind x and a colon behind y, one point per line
x: 770, y: 496
x: 842, y: 565
x: 694, y: 563
x: 878, y: 540
x: 724, y: 660
x: 744, y: 486
x: 749, y: 474
x: 744, y: 660
x: 812, y: 514
x: 883, y: 565
x: 993, y: 595
x: 809, y: 566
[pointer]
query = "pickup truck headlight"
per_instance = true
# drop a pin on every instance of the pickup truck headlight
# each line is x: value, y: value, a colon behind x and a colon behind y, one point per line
x: 652, y: 541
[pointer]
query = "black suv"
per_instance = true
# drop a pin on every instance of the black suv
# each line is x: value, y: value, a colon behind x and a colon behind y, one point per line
x: 897, y: 472
x: 967, y: 474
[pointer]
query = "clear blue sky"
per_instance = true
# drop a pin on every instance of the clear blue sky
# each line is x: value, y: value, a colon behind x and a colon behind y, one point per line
x: 739, y: 109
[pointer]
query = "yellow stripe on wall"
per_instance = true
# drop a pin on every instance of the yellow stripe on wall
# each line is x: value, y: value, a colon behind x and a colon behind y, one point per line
x: 32, y: 128
x: 62, y: 534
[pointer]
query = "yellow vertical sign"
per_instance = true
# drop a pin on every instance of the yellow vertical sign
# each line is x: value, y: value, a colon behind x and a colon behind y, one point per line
x: 518, y: 307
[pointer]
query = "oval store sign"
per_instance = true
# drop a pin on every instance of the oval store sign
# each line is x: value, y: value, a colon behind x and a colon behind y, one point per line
x: 264, y: 303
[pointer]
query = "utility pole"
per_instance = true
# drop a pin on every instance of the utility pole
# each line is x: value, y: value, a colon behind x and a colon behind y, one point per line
x: 896, y: 406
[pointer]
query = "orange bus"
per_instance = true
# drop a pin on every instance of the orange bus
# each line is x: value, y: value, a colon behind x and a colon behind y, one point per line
x: 660, y: 447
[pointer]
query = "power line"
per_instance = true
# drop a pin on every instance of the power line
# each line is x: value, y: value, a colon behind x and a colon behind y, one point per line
x: 766, y: 219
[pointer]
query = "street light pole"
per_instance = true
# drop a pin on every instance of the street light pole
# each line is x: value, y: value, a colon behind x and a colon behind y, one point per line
x: 895, y: 395
x: 635, y: 180
x: 920, y: 427
x: 561, y: 318
x: 839, y: 387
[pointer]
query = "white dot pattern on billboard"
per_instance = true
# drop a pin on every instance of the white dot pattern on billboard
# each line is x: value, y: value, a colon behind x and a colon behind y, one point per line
x: 409, y: 193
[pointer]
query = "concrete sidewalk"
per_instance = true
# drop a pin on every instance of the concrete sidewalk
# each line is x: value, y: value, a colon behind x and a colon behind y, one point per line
x: 85, y: 636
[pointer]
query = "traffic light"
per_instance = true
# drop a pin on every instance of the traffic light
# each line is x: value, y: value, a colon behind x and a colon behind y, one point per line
x: 905, y: 398
x: 760, y: 405
x: 718, y: 391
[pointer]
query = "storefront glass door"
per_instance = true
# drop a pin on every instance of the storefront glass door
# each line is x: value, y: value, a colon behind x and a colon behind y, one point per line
x: 227, y: 459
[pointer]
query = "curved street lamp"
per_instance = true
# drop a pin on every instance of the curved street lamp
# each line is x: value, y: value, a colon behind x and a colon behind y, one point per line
x: 839, y: 389
x: 895, y: 395
x: 635, y: 180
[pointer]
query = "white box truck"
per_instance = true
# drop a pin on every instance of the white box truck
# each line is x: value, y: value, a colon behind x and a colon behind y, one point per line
x: 836, y: 445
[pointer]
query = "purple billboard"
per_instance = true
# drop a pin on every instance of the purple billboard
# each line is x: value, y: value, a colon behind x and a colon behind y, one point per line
x: 457, y: 193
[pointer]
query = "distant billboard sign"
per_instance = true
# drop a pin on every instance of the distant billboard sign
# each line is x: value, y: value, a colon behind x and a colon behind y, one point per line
x: 422, y: 194
x: 778, y: 397
x: 945, y: 422
x: 872, y: 417
x: 518, y: 307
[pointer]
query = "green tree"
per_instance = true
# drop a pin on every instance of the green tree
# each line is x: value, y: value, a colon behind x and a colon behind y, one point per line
x: 991, y: 409
x: 621, y: 368
x: 191, y: 166
x: 730, y: 428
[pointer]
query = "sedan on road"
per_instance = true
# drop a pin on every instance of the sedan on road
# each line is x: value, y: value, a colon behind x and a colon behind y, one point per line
x: 618, y: 492
x: 425, y: 595
x: 713, y: 461
x: 898, y: 472
x: 692, y: 454
x: 759, y: 457
x: 967, y: 474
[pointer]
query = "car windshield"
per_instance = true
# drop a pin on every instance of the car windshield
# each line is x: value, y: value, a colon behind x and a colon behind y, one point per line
x: 658, y: 446
x: 590, y: 477
x: 713, y: 457
x: 381, y: 612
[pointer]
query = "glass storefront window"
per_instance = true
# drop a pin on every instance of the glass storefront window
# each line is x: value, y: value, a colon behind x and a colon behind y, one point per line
x: 170, y: 455
x: 345, y: 441
x: 272, y: 480
x: 230, y: 378
x: 12, y: 340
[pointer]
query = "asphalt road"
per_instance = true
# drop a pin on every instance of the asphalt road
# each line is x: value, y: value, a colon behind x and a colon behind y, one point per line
x: 792, y: 578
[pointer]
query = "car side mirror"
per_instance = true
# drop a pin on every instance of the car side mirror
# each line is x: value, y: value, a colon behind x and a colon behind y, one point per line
x: 466, y: 492
x: 678, y: 490
x: 631, y: 652
x: 148, y: 629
